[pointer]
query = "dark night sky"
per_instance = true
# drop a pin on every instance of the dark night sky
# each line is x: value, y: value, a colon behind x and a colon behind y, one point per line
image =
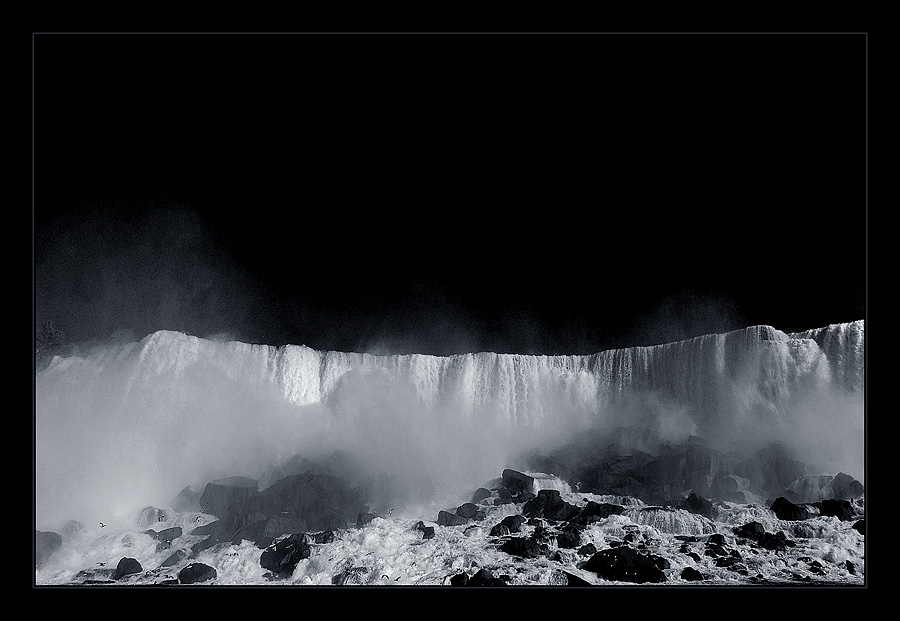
x: 449, y: 193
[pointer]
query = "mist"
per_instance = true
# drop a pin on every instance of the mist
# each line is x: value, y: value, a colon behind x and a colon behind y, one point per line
x: 131, y: 424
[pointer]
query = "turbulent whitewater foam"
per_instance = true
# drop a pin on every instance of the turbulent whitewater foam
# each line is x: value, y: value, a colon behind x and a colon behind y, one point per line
x: 135, y: 423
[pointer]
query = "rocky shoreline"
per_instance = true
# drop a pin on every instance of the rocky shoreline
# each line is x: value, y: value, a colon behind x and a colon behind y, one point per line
x: 301, y: 515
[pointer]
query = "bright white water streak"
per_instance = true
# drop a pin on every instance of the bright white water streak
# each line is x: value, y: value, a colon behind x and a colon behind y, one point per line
x: 132, y: 424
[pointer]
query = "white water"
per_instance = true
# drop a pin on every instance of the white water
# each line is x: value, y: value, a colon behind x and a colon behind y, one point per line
x: 389, y: 551
x: 132, y: 424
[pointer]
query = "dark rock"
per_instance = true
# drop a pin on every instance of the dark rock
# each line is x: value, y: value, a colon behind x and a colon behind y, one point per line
x: 514, y: 522
x: 351, y: 575
x: 845, y: 487
x: 168, y: 535
x: 689, y: 573
x: 226, y: 497
x: 427, y: 531
x: 597, y: 510
x: 196, y: 572
x: 548, y: 504
x: 750, y: 530
x: 726, y: 561
x: 776, y: 541
x: 467, y: 510
x: 503, y: 501
x: 772, y: 469
x: 841, y: 509
x: 215, y: 528
x: 45, y: 544
x: 587, y: 549
x: 176, y: 557
x: 526, y: 547
x: 364, y: 518
x: 700, y: 506
x: 524, y: 496
x: 126, y: 567
x: 714, y: 549
x: 686, y: 466
x: 500, y: 530
x: 326, y: 536
x: 568, y: 540
x: 851, y: 568
x: 481, y: 494
x: 315, y: 501
x: 619, y: 474
x: 784, y: 509
x: 624, y: 565
x: 459, y: 579
x: 716, y: 538
x: 210, y: 542
x: 282, y: 558
x: 445, y: 518
x: 267, y: 529
x: 573, y: 580
x: 96, y: 575
x: 484, y: 577
x: 518, y: 481
x: 860, y: 526
x: 661, y: 562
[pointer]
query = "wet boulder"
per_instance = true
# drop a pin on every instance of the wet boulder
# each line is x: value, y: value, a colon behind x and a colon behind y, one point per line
x: 513, y: 523
x: 699, y: 505
x: 860, y: 526
x: 480, y: 494
x: 127, y: 566
x: 525, y: 547
x: 485, y: 577
x: 314, y: 501
x: 282, y: 558
x: 568, y: 539
x: 573, y: 580
x: 228, y: 497
x: 467, y: 510
x: 196, y: 572
x: 845, y: 487
x: 784, y: 509
x: 624, y: 564
x: 548, y: 504
x: 173, y: 559
x: 517, y: 482
x: 691, y: 574
x: 445, y: 518
x: 427, y: 531
x: 841, y: 509
x: 751, y: 530
x: 596, y: 511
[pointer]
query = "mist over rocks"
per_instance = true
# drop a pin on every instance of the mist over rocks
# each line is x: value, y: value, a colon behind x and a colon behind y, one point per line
x: 45, y: 544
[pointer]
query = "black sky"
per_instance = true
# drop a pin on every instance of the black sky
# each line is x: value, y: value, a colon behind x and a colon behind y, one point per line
x: 449, y: 193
